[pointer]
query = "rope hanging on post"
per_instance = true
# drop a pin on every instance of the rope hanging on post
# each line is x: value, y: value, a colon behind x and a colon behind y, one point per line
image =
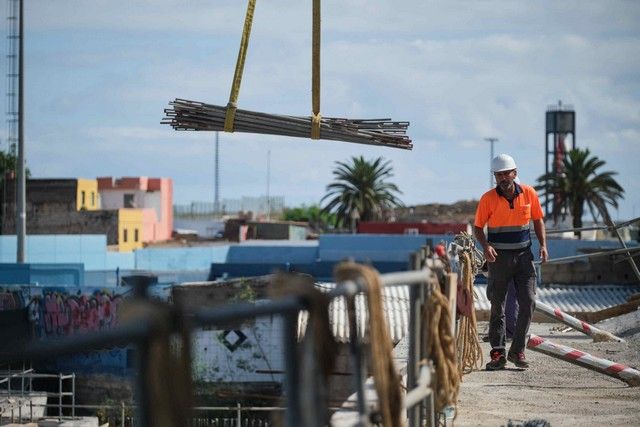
x: 237, y: 76
x: 441, y: 348
x: 468, y: 344
x: 385, y: 377
x: 315, y: 72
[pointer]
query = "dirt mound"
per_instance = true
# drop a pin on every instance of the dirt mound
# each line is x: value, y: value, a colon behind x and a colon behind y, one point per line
x: 462, y: 211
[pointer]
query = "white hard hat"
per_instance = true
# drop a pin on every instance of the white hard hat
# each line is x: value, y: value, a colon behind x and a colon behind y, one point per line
x: 503, y: 162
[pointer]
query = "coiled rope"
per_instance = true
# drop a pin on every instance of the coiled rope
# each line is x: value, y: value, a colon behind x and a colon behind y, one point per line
x: 386, y: 379
x: 441, y: 348
x: 468, y: 344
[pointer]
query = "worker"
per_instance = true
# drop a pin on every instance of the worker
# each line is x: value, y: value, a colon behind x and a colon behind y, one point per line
x: 507, y: 211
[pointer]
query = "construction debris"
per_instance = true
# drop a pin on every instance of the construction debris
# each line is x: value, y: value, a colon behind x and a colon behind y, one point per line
x: 192, y: 115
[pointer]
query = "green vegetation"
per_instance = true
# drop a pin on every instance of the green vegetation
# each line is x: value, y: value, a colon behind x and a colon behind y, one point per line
x: 582, y: 182
x: 317, y: 219
x: 361, y: 190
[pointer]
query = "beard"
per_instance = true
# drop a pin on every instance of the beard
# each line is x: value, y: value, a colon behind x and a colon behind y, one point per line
x: 506, y: 184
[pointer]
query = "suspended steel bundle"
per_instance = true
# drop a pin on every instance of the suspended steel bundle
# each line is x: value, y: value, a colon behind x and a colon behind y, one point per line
x: 192, y: 115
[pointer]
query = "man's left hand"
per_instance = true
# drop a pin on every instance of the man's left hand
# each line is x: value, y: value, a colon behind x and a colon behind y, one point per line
x: 544, y: 255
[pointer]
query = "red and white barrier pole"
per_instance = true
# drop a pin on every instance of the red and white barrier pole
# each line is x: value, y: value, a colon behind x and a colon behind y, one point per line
x: 577, y: 324
x: 571, y: 355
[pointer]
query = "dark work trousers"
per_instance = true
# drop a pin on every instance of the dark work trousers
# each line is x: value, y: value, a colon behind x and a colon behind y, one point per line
x: 516, y: 265
x: 511, y: 311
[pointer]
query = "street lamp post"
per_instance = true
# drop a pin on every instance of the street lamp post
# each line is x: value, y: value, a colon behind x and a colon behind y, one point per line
x: 21, y: 187
x: 491, y: 140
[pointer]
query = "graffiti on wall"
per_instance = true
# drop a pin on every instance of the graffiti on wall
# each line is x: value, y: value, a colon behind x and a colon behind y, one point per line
x: 11, y: 300
x: 56, y: 313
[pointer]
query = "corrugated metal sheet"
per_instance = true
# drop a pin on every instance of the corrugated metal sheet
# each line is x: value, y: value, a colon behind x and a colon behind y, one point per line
x: 396, y: 309
x: 567, y: 298
x: 571, y: 298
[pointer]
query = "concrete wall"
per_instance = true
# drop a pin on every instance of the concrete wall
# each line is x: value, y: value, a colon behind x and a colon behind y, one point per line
x: 180, y: 259
x: 369, y: 247
x: 42, y: 274
x: 50, y: 221
x: 90, y: 250
x: 274, y: 253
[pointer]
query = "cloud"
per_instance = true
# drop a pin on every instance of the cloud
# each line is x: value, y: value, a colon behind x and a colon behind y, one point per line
x: 100, y: 73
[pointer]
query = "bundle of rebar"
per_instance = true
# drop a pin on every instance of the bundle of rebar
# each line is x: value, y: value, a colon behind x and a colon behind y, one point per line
x: 192, y: 115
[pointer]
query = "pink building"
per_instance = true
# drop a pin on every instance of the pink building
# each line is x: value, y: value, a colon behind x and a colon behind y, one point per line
x: 153, y: 196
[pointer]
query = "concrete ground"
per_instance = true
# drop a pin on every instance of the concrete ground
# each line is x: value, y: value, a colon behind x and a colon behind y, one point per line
x: 554, y: 390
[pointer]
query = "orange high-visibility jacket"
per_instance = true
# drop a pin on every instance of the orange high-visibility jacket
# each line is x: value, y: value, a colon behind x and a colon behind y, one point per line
x: 508, y: 222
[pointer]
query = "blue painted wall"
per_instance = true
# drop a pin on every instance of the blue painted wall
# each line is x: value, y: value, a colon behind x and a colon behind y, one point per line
x: 194, y: 263
x: 42, y: 274
x: 87, y: 249
x: 369, y: 247
x: 269, y: 254
x: 179, y: 259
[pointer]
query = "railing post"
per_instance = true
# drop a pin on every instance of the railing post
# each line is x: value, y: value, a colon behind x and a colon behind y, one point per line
x: 73, y: 395
x: 414, y: 351
x: 59, y: 397
x: 239, y: 422
x: 356, y: 356
x: 291, y: 360
x: 140, y: 284
x: 122, y: 419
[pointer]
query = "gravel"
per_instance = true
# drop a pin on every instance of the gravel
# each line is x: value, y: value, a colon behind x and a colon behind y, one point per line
x: 559, y: 392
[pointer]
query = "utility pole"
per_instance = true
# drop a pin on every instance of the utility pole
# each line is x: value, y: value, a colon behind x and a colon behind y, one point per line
x: 268, y: 185
x: 216, y: 195
x: 491, y: 140
x: 21, y: 214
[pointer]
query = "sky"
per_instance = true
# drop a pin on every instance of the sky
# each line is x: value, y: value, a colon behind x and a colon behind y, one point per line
x: 99, y: 73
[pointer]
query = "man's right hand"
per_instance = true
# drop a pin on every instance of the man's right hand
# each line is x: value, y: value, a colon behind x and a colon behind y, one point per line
x: 490, y: 253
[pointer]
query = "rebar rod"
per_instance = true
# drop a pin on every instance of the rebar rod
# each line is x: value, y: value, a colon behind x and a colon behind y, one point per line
x: 184, y: 114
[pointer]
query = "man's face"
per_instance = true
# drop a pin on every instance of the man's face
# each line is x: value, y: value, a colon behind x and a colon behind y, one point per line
x: 505, y: 179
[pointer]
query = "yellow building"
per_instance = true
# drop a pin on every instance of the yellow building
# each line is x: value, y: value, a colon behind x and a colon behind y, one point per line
x: 87, y: 195
x: 73, y: 206
x: 130, y: 228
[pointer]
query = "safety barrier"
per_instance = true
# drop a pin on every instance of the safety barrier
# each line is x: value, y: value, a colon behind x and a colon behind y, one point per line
x: 607, y: 367
x: 596, y: 333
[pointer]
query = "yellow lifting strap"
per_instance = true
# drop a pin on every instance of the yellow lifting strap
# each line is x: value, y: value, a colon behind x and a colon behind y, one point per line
x: 315, y: 72
x: 237, y: 76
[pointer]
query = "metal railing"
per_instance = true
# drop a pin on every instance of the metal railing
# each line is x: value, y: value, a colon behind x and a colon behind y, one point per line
x: 613, y: 228
x: 419, y: 402
x: 26, y: 393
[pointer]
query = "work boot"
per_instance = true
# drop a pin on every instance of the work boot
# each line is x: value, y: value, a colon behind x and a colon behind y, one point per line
x: 497, y: 361
x: 518, y: 359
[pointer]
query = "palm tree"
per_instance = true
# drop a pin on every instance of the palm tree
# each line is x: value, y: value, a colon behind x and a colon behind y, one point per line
x: 582, y: 182
x: 361, y: 190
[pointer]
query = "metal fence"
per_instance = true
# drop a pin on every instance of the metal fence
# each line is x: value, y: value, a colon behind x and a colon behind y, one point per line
x: 419, y: 399
x: 17, y: 398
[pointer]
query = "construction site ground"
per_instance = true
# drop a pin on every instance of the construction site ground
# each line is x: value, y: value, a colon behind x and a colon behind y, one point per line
x: 554, y: 390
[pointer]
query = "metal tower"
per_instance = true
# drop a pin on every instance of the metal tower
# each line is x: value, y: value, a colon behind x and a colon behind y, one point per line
x: 561, y: 125
x: 13, y: 38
